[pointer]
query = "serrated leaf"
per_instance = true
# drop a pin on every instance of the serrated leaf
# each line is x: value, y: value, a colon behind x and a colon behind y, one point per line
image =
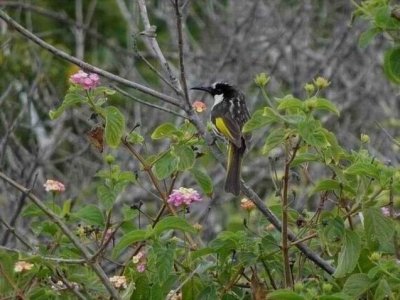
x: 349, y: 254
x: 383, y: 290
x: 115, y: 126
x: 185, y: 156
x: 274, y: 139
x: 384, y: 20
x: 367, y: 36
x: 325, y: 104
x: 284, y: 295
x: 363, y: 169
x: 259, y: 119
x: 326, y: 185
x: 71, y: 99
x: 129, y: 239
x: 304, y: 157
x: 165, y: 130
x: 165, y: 166
x: 91, y: 215
x: 106, y: 196
x: 377, y: 226
x: 356, y: 285
x: 391, y: 64
x: 173, y: 223
x: 289, y: 102
x: 311, y: 132
x: 203, y: 180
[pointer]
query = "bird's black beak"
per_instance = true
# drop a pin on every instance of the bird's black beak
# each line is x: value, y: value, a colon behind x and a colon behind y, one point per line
x: 207, y: 89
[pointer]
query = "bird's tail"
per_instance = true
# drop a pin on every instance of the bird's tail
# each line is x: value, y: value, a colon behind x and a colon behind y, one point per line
x: 232, y: 182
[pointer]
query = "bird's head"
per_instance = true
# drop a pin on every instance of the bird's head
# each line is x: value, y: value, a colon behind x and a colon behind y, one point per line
x: 217, y: 88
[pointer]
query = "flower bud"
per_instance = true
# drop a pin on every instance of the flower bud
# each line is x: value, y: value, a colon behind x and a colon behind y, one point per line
x: 261, y: 79
x: 309, y: 88
x: 364, y: 138
x: 321, y: 82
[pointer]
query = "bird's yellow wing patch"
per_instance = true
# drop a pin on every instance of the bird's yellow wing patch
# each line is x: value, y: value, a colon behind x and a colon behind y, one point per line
x: 222, y: 128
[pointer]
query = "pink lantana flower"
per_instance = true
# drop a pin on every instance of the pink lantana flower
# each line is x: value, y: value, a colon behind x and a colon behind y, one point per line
x: 199, y: 106
x: 54, y: 186
x: 119, y: 282
x: 183, y: 196
x: 85, y: 80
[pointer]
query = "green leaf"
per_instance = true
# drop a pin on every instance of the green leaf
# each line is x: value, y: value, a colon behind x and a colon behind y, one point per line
x: 91, y: 214
x: 356, y: 285
x: 165, y: 166
x: 304, y: 157
x: 384, y: 20
x: 129, y: 239
x: 391, y: 64
x: 326, y: 185
x: 310, y: 130
x: 259, y: 119
x: 377, y: 226
x: 208, y: 293
x: 274, y: 139
x: 363, y: 169
x: 135, y: 138
x: 71, y: 99
x: 325, y: 104
x: 367, y: 36
x: 161, y: 258
x: 173, y: 223
x: 349, y: 254
x: 203, y: 180
x: 166, y: 130
x: 284, y: 295
x: 383, y: 290
x: 185, y: 156
x: 290, y: 103
x: 106, y: 196
x: 115, y: 126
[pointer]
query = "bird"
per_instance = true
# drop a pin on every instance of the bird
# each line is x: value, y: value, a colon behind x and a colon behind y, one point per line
x: 229, y: 113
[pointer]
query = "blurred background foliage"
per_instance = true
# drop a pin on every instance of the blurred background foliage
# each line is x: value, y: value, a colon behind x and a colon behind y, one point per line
x: 293, y: 41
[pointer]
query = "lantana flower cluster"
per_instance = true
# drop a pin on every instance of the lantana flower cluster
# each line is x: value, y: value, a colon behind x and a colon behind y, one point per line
x: 183, y: 196
x: 22, y: 266
x: 119, y: 282
x: 85, y: 80
x: 54, y: 186
x: 140, y: 261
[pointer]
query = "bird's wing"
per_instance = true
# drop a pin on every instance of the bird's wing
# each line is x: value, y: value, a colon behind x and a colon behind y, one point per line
x: 229, y: 128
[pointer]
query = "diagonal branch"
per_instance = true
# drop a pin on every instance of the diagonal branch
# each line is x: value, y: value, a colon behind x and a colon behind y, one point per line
x: 251, y: 194
x: 61, y: 54
x: 64, y: 228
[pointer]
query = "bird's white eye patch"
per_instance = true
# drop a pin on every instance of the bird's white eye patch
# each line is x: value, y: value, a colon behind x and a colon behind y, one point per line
x: 214, y: 85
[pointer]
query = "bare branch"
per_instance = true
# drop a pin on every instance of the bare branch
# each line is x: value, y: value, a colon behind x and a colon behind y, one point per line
x: 61, y: 54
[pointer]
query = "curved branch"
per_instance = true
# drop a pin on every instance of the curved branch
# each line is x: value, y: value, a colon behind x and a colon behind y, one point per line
x: 61, y: 54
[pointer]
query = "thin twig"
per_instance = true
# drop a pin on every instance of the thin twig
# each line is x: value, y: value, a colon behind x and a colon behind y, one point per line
x: 180, y: 48
x: 121, y: 91
x: 150, y: 33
